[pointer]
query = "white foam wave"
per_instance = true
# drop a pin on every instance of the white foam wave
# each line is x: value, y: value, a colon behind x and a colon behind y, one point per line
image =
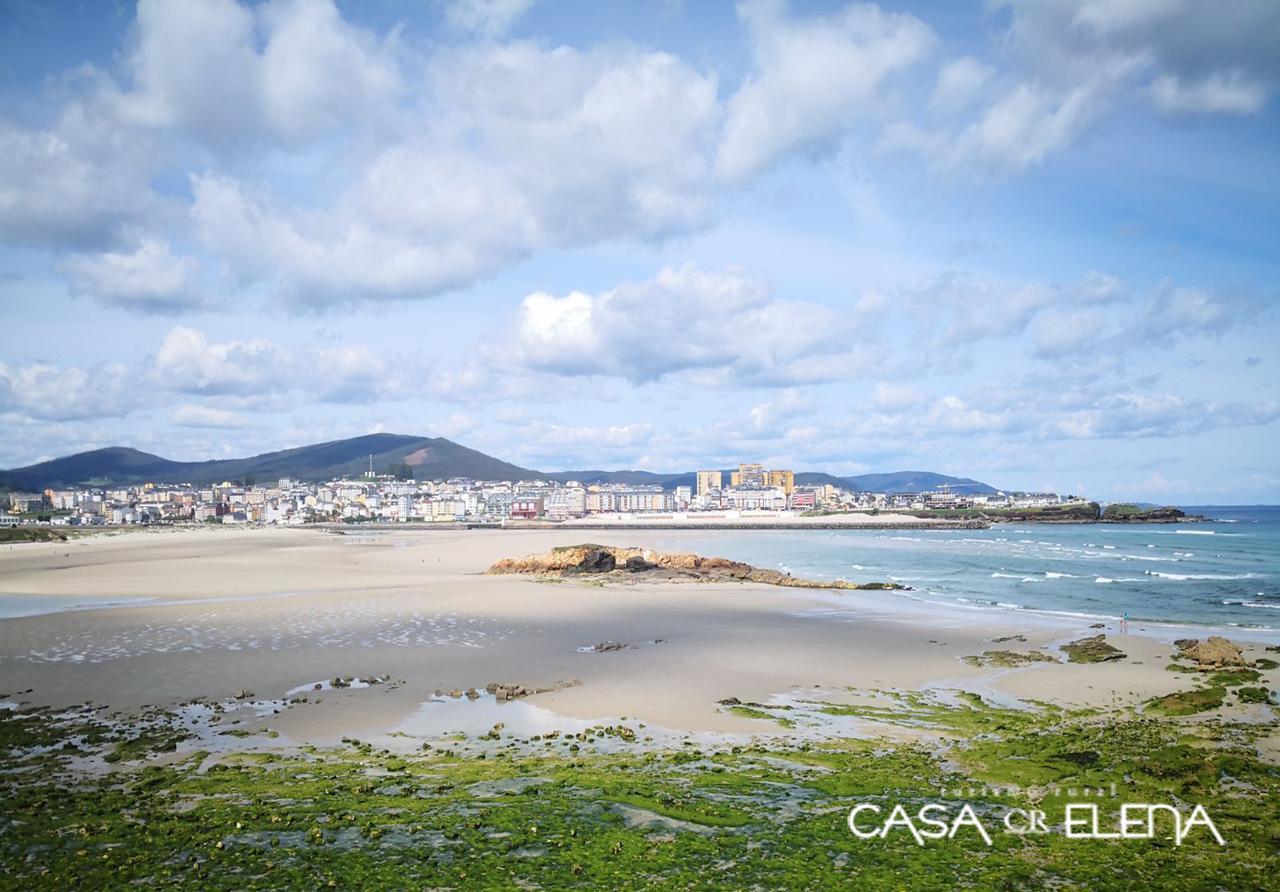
x: 1183, y: 577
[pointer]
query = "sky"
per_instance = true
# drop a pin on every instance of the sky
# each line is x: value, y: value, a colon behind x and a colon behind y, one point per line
x: 1034, y: 243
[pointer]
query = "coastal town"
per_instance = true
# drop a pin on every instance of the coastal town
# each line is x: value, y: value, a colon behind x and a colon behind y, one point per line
x: 751, y: 491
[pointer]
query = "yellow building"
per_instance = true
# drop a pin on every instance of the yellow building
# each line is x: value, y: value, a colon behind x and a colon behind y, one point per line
x: 785, y: 480
x: 707, y: 481
x: 749, y: 475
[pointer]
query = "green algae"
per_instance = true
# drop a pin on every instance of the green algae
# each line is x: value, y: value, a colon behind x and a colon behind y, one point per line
x: 764, y: 816
x: 1230, y: 678
x: 1092, y: 650
x: 1188, y: 702
x: 753, y: 712
x: 1006, y: 659
x: 1254, y: 695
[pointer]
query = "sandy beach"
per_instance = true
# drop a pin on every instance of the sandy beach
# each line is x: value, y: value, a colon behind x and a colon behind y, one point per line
x: 212, y: 613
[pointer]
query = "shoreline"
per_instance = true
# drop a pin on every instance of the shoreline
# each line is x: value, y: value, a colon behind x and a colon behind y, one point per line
x: 304, y: 707
x: 268, y: 612
x: 850, y: 521
x: 164, y: 597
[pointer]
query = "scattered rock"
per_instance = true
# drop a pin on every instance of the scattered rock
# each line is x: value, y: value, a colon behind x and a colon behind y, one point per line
x: 245, y: 695
x: 1097, y: 625
x: 608, y: 646
x: 512, y: 691
x: 1092, y: 650
x: 639, y: 564
x: 1005, y: 638
x: 1214, y: 653
x: 1007, y: 659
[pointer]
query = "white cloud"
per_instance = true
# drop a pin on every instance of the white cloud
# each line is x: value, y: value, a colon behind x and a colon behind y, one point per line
x: 1217, y: 93
x: 814, y: 78
x: 682, y: 320
x: 1099, y: 287
x: 254, y: 373
x: 1158, y: 415
x: 1180, y: 312
x: 206, y: 417
x: 80, y: 184
x: 1224, y: 50
x: 228, y: 74
x: 150, y: 279
x: 959, y: 83
x: 775, y: 416
x: 1063, y: 332
x: 531, y: 148
x: 48, y: 392
x: 962, y: 311
x: 187, y: 361
x: 491, y: 18
x: 1072, y: 62
x: 1019, y: 130
x: 893, y: 396
x: 456, y: 425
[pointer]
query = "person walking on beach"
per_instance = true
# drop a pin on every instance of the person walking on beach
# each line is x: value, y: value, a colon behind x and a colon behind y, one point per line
x: 1124, y: 623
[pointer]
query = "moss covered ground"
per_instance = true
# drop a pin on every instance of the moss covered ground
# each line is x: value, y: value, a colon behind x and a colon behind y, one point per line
x: 553, y: 812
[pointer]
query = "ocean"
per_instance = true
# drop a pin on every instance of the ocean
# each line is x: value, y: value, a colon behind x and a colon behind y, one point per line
x: 1222, y: 573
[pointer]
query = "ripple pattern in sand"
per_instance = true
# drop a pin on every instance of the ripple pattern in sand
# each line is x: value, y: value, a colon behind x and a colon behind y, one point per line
x: 227, y: 629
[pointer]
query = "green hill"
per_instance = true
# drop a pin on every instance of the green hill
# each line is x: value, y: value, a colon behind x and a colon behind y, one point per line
x: 427, y: 458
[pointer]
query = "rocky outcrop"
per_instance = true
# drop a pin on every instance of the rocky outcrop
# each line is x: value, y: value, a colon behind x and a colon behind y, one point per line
x: 1214, y: 653
x: 1092, y: 650
x: 514, y: 691
x: 1007, y: 659
x: 605, y: 647
x: 612, y: 560
x: 1124, y: 512
x: 597, y: 560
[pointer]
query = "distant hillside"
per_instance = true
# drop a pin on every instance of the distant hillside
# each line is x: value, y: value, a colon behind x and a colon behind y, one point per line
x: 628, y: 478
x: 915, y: 481
x: 430, y: 458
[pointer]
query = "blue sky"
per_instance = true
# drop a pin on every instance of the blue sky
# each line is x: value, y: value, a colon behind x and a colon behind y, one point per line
x: 1032, y: 243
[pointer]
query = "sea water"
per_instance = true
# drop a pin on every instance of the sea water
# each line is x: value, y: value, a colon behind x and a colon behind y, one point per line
x: 1222, y: 573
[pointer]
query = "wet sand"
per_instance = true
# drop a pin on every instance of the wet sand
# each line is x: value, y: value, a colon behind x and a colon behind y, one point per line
x: 268, y: 611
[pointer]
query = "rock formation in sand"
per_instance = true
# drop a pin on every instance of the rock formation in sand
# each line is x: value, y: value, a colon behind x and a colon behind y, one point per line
x: 572, y: 560
x: 1092, y: 650
x: 1216, y: 652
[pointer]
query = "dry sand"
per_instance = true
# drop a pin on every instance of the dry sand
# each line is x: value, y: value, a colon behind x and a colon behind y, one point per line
x: 271, y: 610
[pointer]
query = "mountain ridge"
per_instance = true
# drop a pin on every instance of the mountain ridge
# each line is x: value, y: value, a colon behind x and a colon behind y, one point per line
x: 429, y: 458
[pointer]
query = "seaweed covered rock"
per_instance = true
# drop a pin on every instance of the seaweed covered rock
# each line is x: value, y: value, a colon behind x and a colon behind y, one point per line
x: 1092, y: 650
